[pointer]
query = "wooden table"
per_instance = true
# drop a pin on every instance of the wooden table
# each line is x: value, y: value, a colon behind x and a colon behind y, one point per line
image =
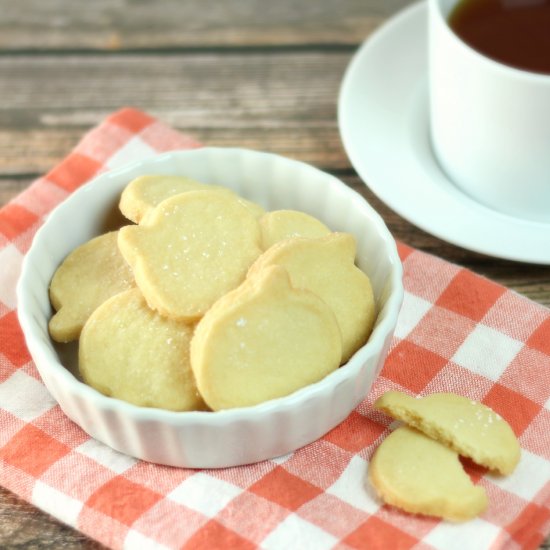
x: 252, y: 73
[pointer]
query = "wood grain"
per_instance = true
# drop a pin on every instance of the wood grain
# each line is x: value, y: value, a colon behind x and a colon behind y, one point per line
x: 281, y: 102
x: 168, y: 24
x: 23, y: 526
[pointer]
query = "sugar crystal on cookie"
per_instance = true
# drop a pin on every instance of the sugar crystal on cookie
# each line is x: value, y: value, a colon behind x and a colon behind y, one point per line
x: 200, y: 271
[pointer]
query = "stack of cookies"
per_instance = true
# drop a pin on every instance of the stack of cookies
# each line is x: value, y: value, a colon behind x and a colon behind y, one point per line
x: 207, y: 302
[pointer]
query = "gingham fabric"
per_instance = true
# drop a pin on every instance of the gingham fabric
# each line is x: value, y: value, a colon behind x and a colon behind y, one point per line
x: 456, y: 332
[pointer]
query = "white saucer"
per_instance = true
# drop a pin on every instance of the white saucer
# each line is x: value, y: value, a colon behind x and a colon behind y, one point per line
x: 383, y: 119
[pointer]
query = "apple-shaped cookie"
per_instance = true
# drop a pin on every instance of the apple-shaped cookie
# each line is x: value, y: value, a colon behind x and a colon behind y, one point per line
x: 263, y: 340
x: 190, y: 250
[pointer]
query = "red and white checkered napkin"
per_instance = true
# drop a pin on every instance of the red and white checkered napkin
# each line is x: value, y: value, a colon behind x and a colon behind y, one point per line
x: 457, y: 332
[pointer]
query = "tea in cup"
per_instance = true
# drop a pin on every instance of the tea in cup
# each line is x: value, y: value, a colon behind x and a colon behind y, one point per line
x: 490, y: 101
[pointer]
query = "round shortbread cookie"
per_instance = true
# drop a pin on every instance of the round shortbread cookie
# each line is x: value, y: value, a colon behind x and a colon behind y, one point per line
x: 469, y: 427
x: 87, y: 277
x: 279, y: 225
x: 419, y: 475
x: 263, y: 340
x: 193, y: 248
x: 325, y: 265
x: 129, y: 352
x: 144, y: 193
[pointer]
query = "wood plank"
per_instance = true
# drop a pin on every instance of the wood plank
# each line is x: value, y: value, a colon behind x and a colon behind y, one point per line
x: 37, y: 150
x: 278, y: 89
x: 277, y: 102
x: 24, y: 526
x: 168, y: 24
x: 9, y: 188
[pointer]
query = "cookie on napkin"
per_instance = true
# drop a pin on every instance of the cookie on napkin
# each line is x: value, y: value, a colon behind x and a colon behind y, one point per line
x: 413, y: 472
x: 468, y: 427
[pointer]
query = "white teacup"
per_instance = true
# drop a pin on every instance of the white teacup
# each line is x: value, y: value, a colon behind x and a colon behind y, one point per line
x: 490, y: 123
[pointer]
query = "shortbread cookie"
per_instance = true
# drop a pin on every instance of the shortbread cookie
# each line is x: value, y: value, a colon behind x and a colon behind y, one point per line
x: 419, y: 475
x: 129, y: 352
x: 468, y: 427
x: 142, y: 194
x: 263, y: 340
x: 325, y: 266
x: 193, y: 248
x: 88, y: 276
x: 279, y: 225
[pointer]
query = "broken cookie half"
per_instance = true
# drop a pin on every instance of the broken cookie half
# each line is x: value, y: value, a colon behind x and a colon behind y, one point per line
x: 419, y: 475
x: 441, y: 427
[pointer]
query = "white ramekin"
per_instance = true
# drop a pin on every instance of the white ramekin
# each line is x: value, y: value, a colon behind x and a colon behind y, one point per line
x: 237, y: 436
